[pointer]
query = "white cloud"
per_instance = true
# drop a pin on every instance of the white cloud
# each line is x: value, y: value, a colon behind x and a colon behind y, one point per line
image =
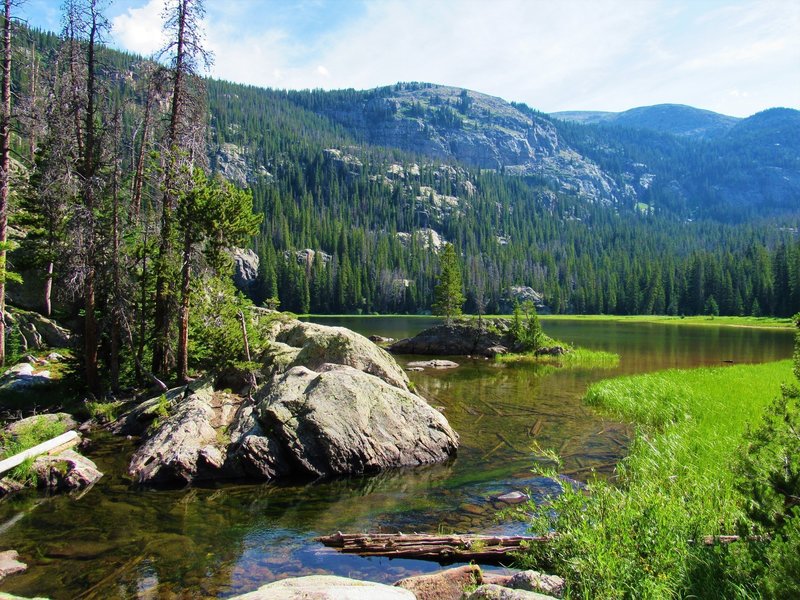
x: 571, y: 54
x: 140, y: 29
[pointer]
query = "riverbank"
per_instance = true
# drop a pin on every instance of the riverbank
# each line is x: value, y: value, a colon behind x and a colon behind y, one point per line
x: 695, y: 320
x: 634, y: 537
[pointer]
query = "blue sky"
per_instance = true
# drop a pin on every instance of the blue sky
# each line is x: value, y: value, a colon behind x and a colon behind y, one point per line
x: 735, y: 57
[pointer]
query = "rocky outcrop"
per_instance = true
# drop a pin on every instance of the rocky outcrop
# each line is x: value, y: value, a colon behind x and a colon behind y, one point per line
x: 340, y: 420
x: 458, y: 339
x: 521, y: 294
x: 326, y: 587
x: 64, y: 420
x: 332, y: 403
x: 444, y: 585
x: 245, y: 270
x: 65, y: 472
x: 36, y: 331
x: 183, y: 446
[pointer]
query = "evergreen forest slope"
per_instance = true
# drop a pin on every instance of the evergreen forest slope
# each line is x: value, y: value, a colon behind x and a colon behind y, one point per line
x: 360, y: 190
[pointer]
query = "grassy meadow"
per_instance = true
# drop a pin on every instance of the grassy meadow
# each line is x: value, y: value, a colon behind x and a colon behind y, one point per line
x: 637, y: 537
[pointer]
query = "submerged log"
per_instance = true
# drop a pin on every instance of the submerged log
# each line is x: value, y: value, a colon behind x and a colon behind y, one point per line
x: 442, y: 548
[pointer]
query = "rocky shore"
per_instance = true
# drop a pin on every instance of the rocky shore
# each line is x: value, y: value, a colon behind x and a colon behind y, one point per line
x: 330, y: 402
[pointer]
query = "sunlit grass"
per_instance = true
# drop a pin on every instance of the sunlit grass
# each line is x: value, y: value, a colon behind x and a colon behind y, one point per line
x: 574, y: 358
x: 634, y: 538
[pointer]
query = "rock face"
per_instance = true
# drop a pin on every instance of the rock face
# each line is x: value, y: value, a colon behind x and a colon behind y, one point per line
x: 245, y: 270
x: 421, y: 118
x: 332, y: 403
x: 326, y: 587
x: 458, y: 339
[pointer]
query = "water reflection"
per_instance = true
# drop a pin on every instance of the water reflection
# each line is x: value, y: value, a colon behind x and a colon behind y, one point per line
x: 122, y: 542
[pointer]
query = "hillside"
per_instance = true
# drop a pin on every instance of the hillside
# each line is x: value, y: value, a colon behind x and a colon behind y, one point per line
x: 674, y: 119
x: 690, y: 162
x: 360, y: 189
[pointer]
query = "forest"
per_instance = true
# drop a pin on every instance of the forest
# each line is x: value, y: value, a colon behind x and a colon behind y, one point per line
x: 129, y: 178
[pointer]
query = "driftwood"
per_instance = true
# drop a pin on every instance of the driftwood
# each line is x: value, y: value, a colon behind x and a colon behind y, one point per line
x: 52, y: 446
x: 442, y: 548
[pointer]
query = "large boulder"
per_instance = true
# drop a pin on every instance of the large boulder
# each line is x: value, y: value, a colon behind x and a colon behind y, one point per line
x: 321, y: 345
x: 326, y: 587
x: 458, y: 339
x: 342, y: 420
x: 534, y: 581
x: 332, y: 403
x: 183, y: 444
x: 444, y: 585
x: 10, y: 565
x: 495, y: 592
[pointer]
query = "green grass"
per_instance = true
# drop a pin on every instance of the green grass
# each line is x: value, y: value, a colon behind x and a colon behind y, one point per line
x: 697, y: 320
x: 36, y: 432
x: 578, y: 358
x: 633, y: 538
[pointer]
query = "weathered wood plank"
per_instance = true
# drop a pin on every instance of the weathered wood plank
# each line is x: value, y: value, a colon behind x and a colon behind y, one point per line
x: 61, y: 442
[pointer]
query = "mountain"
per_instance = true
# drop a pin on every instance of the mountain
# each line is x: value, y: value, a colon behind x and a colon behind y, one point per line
x: 675, y: 119
x: 360, y: 189
x: 689, y: 162
x: 451, y: 123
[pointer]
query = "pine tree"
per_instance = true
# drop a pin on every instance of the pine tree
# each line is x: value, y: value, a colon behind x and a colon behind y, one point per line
x: 448, y: 295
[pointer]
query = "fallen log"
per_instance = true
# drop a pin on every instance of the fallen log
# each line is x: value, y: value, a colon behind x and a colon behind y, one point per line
x: 442, y: 548
x: 52, y: 446
x: 486, y: 549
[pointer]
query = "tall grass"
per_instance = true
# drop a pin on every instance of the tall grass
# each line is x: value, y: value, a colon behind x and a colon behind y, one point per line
x: 37, y: 431
x: 635, y: 538
x: 574, y: 358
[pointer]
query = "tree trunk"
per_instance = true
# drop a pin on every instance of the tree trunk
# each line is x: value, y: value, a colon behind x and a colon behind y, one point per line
x: 88, y: 172
x: 161, y: 358
x: 48, y: 290
x: 117, y: 305
x: 5, y: 168
x: 183, y: 315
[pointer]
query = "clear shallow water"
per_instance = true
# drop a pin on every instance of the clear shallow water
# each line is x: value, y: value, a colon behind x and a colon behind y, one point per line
x: 117, y: 541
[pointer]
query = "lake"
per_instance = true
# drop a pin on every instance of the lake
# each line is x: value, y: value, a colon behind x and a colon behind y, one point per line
x: 117, y: 541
